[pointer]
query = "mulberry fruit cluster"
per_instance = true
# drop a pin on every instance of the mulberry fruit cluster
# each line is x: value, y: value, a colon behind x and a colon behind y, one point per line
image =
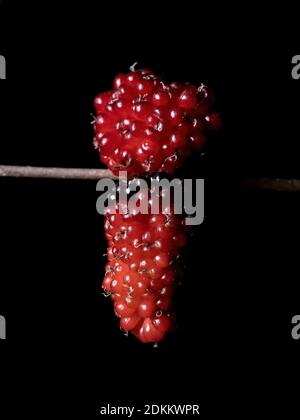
x: 145, y: 126
x: 142, y: 255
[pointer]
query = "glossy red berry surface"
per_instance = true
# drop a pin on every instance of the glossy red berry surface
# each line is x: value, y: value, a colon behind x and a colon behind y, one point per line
x: 143, y: 250
x: 145, y: 125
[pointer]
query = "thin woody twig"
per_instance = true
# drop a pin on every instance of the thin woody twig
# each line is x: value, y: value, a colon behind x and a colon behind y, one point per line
x: 54, y: 173
x: 272, y: 184
x: 267, y: 184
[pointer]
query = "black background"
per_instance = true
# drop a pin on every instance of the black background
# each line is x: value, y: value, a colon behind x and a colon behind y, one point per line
x: 233, y: 352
